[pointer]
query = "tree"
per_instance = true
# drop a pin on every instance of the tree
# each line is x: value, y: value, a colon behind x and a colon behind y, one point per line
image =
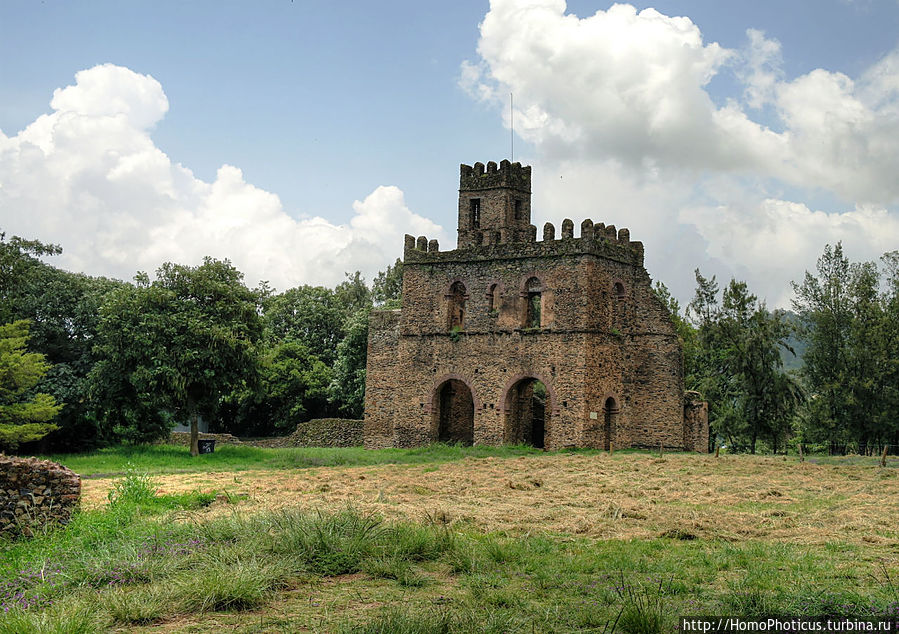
x: 311, y: 315
x: 738, y: 365
x: 348, y: 386
x: 24, y: 416
x: 18, y: 257
x: 353, y: 294
x: 387, y: 289
x: 751, y: 337
x: 824, y: 303
x: 292, y: 388
x: 175, y: 347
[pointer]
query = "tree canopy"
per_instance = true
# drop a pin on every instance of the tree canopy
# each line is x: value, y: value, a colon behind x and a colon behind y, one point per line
x: 24, y: 416
x: 174, y: 348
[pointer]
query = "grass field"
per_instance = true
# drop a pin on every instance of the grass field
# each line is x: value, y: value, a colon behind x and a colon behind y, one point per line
x: 496, y: 541
x: 174, y: 459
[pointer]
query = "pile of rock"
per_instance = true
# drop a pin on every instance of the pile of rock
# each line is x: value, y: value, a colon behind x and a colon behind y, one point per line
x: 35, y: 493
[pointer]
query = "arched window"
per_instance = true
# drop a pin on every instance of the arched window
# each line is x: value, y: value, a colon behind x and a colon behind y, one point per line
x: 456, y: 306
x: 534, y: 303
x: 492, y: 299
x: 618, y: 291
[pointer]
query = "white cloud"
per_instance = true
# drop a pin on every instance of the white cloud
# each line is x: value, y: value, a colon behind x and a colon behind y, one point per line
x: 774, y: 241
x: 623, y: 98
x: 88, y: 176
x: 633, y: 86
x: 762, y: 68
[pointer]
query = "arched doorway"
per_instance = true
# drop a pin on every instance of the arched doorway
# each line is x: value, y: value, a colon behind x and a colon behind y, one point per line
x: 454, y: 413
x: 526, y: 413
x: 610, y: 422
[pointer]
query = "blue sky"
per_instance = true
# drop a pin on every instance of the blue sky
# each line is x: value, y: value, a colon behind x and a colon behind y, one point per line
x: 355, y: 115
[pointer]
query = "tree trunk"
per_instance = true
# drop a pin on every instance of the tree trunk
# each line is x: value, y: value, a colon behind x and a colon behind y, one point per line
x: 194, y: 432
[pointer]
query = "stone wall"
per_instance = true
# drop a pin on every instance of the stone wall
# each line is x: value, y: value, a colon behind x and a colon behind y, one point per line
x: 182, y: 438
x: 35, y: 493
x: 328, y: 432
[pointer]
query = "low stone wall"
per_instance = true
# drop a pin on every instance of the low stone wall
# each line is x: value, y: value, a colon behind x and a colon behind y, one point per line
x: 35, y: 493
x: 327, y: 432
x: 183, y: 438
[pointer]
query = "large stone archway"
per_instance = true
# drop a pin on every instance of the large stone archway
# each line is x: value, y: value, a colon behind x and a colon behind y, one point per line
x: 528, y: 413
x: 453, y: 412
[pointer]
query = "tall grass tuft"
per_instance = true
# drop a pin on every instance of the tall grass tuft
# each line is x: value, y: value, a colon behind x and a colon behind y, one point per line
x: 136, y: 487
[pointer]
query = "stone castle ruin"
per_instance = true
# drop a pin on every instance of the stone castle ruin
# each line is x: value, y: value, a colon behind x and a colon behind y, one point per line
x: 557, y: 343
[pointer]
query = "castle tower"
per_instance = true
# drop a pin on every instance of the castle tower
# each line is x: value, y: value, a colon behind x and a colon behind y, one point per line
x: 494, y: 203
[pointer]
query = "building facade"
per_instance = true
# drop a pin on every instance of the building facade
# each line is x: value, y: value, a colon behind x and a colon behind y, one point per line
x: 559, y: 342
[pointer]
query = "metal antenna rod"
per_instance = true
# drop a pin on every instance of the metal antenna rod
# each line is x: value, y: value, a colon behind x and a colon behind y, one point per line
x: 511, y: 130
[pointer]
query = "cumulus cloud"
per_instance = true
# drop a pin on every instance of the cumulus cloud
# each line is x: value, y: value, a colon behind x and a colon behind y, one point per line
x: 627, y: 93
x: 775, y: 240
x: 88, y: 176
x: 633, y: 86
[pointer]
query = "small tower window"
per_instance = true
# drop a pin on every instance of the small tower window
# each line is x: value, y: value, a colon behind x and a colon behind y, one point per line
x: 475, y: 213
x: 456, y: 306
x: 517, y: 209
x: 492, y: 304
x: 534, y: 305
x: 619, y: 292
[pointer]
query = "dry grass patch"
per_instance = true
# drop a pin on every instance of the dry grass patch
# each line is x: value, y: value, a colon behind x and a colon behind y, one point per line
x: 624, y: 496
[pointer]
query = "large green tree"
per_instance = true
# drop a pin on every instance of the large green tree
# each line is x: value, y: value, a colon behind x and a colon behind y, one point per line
x: 311, y: 315
x: 18, y: 258
x: 348, y: 385
x: 849, y: 321
x: 25, y: 416
x: 738, y: 366
x: 62, y: 309
x: 174, y: 347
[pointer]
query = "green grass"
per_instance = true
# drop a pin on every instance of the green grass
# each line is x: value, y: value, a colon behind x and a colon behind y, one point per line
x: 131, y: 564
x: 158, y: 459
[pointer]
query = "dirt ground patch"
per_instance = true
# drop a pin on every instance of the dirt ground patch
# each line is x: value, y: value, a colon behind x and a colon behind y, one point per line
x: 624, y: 496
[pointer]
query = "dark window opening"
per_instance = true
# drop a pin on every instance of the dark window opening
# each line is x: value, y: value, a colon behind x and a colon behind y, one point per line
x: 492, y: 304
x: 456, y: 309
x: 517, y: 209
x: 534, y: 306
x: 475, y: 213
x: 619, y: 291
x: 610, y: 420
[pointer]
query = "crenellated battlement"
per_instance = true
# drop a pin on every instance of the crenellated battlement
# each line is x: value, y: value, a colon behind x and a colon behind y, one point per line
x: 506, y: 174
x: 598, y: 239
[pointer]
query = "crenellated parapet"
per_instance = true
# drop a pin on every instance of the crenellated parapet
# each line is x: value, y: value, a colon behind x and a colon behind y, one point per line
x: 411, y: 244
x: 597, y: 239
x: 491, y: 176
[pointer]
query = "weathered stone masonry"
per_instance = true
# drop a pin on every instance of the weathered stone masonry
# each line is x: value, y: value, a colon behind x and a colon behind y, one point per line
x: 485, y: 328
x: 35, y: 493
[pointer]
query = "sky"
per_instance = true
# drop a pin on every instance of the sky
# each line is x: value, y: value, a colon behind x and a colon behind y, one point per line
x: 302, y: 140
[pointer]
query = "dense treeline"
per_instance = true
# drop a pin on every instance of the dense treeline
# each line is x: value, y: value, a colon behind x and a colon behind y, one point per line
x: 123, y: 362
x: 87, y: 361
x: 845, y: 394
